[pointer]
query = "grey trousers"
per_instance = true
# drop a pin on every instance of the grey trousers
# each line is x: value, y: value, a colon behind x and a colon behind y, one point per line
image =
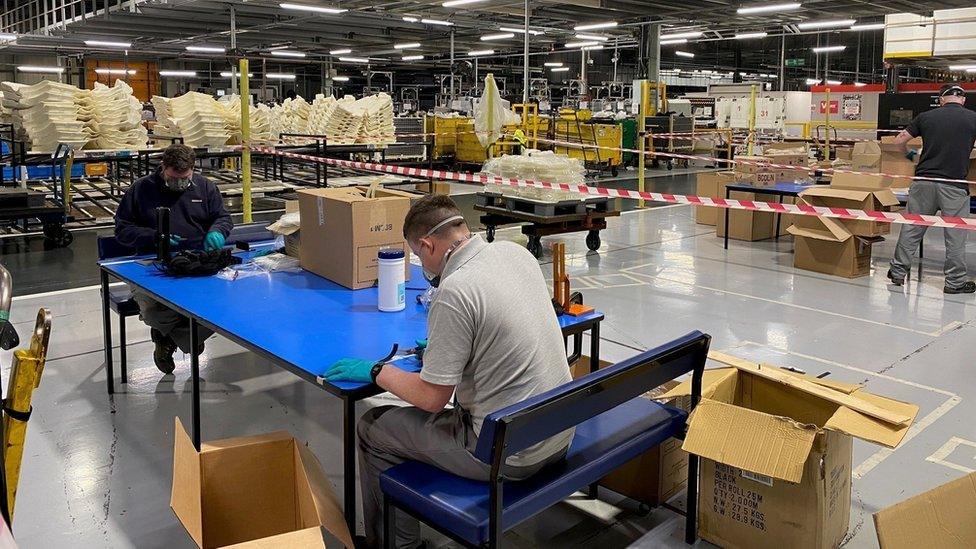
x: 389, y: 435
x: 169, y: 322
x: 929, y: 198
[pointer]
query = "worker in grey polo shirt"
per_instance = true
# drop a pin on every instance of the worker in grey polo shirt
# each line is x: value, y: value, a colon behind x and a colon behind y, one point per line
x: 493, y: 340
x: 947, y: 133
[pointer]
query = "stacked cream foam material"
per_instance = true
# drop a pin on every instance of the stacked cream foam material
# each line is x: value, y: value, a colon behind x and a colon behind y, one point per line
x: 195, y: 117
x: 367, y: 120
x: 45, y: 114
x: 538, y: 166
x: 322, y: 110
x: 291, y: 116
x: 113, y: 117
x: 230, y: 108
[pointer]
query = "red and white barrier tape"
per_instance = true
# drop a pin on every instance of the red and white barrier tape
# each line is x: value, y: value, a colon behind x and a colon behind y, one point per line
x: 751, y: 205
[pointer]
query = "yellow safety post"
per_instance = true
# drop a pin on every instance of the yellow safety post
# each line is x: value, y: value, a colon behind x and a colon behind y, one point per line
x: 245, y: 139
x: 752, y: 120
x: 68, y: 165
x: 25, y: 376
x: 645, y: 108
x: 827, y: 124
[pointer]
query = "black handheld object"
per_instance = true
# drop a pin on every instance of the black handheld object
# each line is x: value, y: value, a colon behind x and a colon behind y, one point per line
x: 162, y: 234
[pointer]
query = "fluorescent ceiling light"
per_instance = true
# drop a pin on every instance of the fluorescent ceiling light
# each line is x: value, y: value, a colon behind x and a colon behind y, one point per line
x: 812, y: 81
x: 589, y: 48
x: 34, y: 68
x: 689, y: 34
x: 235, y: 74
x: 560, y: 69
x: 834, y: 82
x: 340, y: 52
x: 825, y: 49
x: 826, y: 24
x: 972, y: 70
x: 748, y: 35
x: 189, y: 74
x: 437, y: 22
x: 280, y: 76
x: 961, y: 67
x: 596, y: 37
x: 205, y: 49
x: 860, y: 84
x: 572, y: 45
x: 480, y: 52
x: 408, y: 19
x: 108, y: 44
x: 453, y: 3
x: 768, y: 8
x: 411, y: 57
x: 867, y: 27
x: 406, y: 46
x: 316, y: 9
x: 502, y: 36
x: 594, y: 26
x: 768, y: 75
x: 675, y: 41
x: 115, y: 71
x: 340, y: 78
x: 7, y: 36
x: 354, y: 59
x: 680, y: 53
x: 287, y: 53
x: 533, y: 32
x: 553, y: 64
x: 706, y: 71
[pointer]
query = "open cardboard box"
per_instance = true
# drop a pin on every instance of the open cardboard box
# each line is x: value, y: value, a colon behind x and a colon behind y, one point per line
x: 710, y: 184
x: 830, y: 248
x: 255, y: 491
x: 944, y: 516
x: 777, y: 452
x: 836, y: 196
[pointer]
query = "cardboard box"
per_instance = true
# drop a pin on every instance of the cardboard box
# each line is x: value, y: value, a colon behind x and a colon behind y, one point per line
x: 942, y: 517
x: 342, y: 231
x: 440, y: 187
x: 743, y: 224
x: 758, y: 172
x: 844, y: 153
x: 849, y: 257
x: 893, y: 161
x: 777, y: 452
x: 834, y: 197
x: 866, y: 156
x: 290, y: 232
x: 260, y: 491
x: 711, y: 184
x: 658, y: 474
x: 971, y: 175
x: 789, y: 154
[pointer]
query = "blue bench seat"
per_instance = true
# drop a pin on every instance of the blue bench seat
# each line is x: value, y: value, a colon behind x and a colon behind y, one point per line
x: 600, y: 445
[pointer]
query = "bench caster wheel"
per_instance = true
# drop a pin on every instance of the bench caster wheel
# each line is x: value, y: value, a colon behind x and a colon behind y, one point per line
x: 490, y: 233
x: 670, y: 165
x: 535, y: 246
x: 643, y: 510
x: 593, y: 241
x: 56, y: 235
x: 614, y: 171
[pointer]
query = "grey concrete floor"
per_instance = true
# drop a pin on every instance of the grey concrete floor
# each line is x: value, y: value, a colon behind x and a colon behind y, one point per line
x: 97, y: 470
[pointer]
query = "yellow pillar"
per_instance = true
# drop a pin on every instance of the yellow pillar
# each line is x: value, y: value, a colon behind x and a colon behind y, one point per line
x: 245, y: 139
x: 827, y: 124
x: 752, y: 120
x: 643, y: 112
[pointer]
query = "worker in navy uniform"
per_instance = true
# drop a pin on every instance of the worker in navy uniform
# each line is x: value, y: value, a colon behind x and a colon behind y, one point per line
x: 197, y: 219
x: 947, y: 133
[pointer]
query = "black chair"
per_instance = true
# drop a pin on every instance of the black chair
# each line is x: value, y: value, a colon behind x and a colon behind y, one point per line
x: 120, y: 297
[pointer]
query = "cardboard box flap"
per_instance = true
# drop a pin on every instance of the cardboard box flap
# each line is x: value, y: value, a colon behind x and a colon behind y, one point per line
x: 327, y: 506
x: 185, y: 499
x: 732, y: 360
x: 941, y: 517
x: 868, y: 428
x: 761, y: 443
x: 356, y: 194
x: 833, y: 192
x: 886, y: 198
x: 711, y: 380
x: 834, y: 232
x: 309, y: 538
x: 237, y: 442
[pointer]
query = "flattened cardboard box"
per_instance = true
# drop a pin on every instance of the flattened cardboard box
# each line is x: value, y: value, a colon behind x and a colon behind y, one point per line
x: 342, y: 231
x: 709, y: 184
x: 943, y: 517
x: 260, y: 491
x: 763, y: 433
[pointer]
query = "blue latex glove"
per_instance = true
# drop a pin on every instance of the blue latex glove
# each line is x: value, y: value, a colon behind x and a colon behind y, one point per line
x: 174, y: 240
x: 911, y: 154
x: 351, y: 369
x: 213, y: 241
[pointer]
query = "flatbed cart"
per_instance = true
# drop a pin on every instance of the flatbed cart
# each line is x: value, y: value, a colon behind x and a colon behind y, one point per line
x: 545, y: 218
x: 51, y: 212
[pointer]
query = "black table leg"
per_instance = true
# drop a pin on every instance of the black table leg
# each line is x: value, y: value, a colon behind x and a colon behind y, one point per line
x: 726, y: 210
x: 594, y: 489
x: 349, y: 461
x: 779, y: 216
x: 195, y: 380
x: 921, y: 256
x: 107, y: 334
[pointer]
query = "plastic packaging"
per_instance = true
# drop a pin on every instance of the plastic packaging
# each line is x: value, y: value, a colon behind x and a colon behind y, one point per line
x: 276, y: 262
x: 244, y: 270
x: 538, y: 166
x: 392, y: 286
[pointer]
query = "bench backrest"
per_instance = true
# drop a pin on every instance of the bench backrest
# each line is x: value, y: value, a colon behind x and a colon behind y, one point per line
x: 533, y: 420
x: 250, y: 232
x: 109, y: 247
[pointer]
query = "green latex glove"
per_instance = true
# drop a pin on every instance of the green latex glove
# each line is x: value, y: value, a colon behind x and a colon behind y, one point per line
x: 911, y: 154
x: 174, y: 240
x: 213, y: 241
x: 421, y: 343
x: 351, y: 369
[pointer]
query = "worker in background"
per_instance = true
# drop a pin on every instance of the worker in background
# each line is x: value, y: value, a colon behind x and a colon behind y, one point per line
x: 521, y: 140
x: 493, y: 341
x: 947, y: 133
x: 197, y: 219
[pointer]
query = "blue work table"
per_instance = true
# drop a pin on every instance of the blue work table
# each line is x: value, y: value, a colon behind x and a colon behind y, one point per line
x: 302, y: 323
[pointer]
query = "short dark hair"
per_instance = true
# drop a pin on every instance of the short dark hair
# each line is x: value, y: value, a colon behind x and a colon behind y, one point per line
x: 427, y: 212
x: 179, y: 157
